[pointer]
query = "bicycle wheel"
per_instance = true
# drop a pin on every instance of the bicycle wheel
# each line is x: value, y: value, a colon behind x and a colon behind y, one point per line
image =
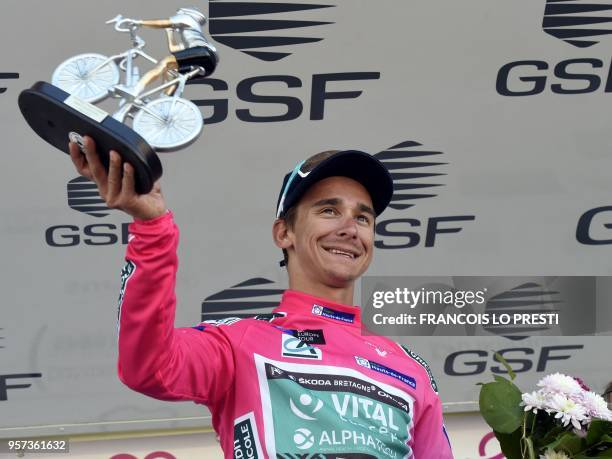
x: 75, y: 76
x: 168, y: 123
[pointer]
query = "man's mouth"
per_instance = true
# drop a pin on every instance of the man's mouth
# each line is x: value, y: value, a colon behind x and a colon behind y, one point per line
x: 351, y: 255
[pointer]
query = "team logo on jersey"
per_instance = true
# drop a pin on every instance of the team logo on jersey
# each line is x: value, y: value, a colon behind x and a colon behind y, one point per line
x: 246, y: 438
x: 421, y: 361
x: 386, y: 371
x: 296, y: 348
x: 324, y: 311
x: 306, y: 406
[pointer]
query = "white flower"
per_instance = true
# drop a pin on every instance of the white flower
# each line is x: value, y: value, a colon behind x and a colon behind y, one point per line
x: 534, y: 401
x: 558, y: 383
x: 551, y: 454
x: 595, y: 406
x: 567, y: 410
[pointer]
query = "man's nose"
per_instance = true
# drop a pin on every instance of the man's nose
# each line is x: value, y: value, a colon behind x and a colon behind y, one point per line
x: 348, y: 227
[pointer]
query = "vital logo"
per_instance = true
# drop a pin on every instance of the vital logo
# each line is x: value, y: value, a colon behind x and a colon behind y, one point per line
x: 7, y: 76
x: 527, y: 298
x: 306, y: 407
x: 83, y: 197
x: 580, y: 23
x: 240, y: 25
x: 256, y: 295
x: 417, y: 175
x: 296, y: 348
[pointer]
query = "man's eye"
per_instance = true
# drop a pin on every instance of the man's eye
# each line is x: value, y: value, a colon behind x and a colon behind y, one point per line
x: 328, y: 210
x: 363, y: 218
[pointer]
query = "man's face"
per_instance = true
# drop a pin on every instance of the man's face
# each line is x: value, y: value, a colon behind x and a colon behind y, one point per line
x: 333, y: 232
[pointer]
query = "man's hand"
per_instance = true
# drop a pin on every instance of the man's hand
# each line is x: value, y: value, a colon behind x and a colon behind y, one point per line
x: 117, y: 186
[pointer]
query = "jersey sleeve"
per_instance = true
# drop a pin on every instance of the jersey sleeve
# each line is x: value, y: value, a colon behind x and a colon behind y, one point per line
x: 155, y: 358
x: 431, y: 439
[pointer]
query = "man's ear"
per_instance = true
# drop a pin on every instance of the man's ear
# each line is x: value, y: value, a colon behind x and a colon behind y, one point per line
x: 281, y: 234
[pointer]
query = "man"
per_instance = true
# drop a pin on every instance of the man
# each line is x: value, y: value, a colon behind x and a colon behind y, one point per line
x: 302, y: 381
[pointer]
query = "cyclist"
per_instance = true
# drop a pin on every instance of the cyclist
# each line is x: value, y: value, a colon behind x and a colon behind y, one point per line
x: 186, y: 42
x: 302, y: 381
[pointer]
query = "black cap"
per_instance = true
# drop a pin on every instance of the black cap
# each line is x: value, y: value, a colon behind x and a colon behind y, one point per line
x: 360, y: 166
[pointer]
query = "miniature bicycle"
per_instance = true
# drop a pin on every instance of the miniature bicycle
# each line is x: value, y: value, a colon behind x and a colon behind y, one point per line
x: 160, y: 115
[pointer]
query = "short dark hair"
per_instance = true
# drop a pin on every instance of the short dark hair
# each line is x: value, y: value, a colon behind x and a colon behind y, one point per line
x: 291, y: 213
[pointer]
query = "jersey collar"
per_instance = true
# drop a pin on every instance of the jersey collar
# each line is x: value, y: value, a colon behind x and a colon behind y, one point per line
x: 297, y: 302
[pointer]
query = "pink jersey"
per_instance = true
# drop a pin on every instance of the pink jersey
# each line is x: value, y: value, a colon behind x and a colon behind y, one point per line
x: 301, y: 382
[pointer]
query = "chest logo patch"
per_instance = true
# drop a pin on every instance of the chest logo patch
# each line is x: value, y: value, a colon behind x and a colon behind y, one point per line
x: 293, y: 346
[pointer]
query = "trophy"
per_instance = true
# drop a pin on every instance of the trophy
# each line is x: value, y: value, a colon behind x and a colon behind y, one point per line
x: 151, y: 115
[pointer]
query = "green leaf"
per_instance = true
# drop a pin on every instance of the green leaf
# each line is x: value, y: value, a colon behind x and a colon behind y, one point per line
x: 606, y: 438
x: 510, y: 444
x: 568, y: 442
x: 606, y: 453
x: 597, y: 430
x: 506, y: 365
x: 499, y: 378
x: 500, y: 406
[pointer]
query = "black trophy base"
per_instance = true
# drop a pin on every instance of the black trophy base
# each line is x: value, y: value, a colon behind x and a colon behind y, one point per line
x: 44, y: 108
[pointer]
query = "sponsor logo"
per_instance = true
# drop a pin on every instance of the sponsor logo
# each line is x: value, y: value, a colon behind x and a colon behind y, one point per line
x: 240, y: 25
x: 126, y: 273
x: 580, y: 24
x: 303, y: 438
x: 296, y: 348
x: 271, y: 32
x: 307, y: 336
x: 484, y: 442
x: 386, y: 371
x: 83, y: 197
x: 421, y: 361
x: 521, y: 359
x: 329, y: 313
x: 257, y: 295
x: 323, y: 409
x: 594, y: 226
x: 528, y: 297
x: 246, y: 438
x: 7, y: 76
x: 306, y: 407
x: 417, y: 176
x: 1, y: 339
x: 153, y: 455
x: 6, y: 383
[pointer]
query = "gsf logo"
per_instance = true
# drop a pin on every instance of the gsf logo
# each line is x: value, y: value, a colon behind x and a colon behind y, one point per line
x: 579, y: 24
x: 83, y: 197
x: 268, y: 90
x: 593, y: 219
x: 417, y: 176
x: 7, y: 76
x: 521, y: 359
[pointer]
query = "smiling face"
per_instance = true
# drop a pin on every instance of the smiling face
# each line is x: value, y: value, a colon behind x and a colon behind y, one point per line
x: 330, y: 244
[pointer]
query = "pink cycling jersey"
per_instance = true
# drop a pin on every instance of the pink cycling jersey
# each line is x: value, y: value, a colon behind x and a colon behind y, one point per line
x: 301, y: 382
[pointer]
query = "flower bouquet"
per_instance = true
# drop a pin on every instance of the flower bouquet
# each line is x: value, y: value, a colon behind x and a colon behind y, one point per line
x: 563, y: 419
